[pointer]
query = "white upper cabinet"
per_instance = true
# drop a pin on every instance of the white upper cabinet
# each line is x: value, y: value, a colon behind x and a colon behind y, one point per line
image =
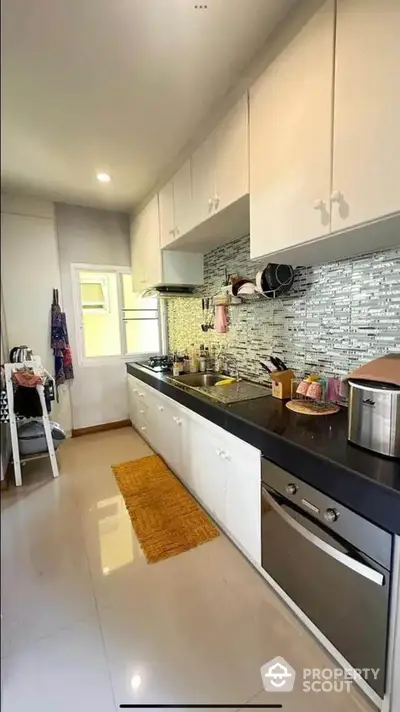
x: 290, y: 140
x: 152, y: 247
x: 176, y: 210
x: 366, y: 147
x: 138, y: 254
x: 232, y: 156
x: 203, y: 179
x: 167, y: 216
x: 183, y: 208
x: 151, y: 266
x: 220, y: 166
x: 145, y: 248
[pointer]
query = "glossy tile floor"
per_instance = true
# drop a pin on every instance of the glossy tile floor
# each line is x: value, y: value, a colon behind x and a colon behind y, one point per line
x: 88, y: 625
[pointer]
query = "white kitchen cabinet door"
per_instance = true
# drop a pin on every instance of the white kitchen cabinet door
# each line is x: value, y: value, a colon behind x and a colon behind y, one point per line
x: 132, y: 401
x: 138, y: 254
x: 167, y: 217
x: 153, y: 262
x: 208, y: 469
x: 146, y: 248
x: 243, y: 491
x: 183, y: 206
x: 232, y: 156
x: 366, y: 146
x: 203, y: 179
x: 135, y: 393
x: 290, y: 140
x: 170, y: 433
x: 147, y: 415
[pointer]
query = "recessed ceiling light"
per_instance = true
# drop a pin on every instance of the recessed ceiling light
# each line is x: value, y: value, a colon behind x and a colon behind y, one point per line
x: 103, y: 177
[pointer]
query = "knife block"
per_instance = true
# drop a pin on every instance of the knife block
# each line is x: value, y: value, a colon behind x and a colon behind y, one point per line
x: 282, y: 384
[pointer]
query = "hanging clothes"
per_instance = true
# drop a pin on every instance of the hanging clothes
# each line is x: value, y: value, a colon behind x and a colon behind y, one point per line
x: 26, y: 397
x: 60, y: 344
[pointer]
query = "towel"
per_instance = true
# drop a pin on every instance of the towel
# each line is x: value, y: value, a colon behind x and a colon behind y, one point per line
x: 221, y: 322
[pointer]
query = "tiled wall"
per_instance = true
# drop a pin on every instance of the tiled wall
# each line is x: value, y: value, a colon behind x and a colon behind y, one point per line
x: 336, y: 316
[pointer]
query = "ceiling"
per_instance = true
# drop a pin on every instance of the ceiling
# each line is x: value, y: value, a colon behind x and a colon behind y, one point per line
x: 119, y: 86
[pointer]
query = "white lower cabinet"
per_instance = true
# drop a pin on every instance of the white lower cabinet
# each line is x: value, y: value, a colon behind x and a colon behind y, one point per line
x: 171, y: 435
x: 222, y: 471
x: 243, y: 496
x: 208, y: 469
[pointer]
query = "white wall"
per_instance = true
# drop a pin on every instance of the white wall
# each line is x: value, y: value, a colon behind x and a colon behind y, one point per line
x: 99, y: 237
x: 29, y: 272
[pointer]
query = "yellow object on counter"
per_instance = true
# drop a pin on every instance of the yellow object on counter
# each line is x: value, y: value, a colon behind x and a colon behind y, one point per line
x: 227, y: 382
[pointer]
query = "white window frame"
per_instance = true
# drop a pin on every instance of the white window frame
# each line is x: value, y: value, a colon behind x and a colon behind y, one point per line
x: 92, y: 307
x: 90, y: 361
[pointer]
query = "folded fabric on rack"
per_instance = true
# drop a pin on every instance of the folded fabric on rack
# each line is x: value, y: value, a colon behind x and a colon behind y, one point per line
x: 26, y: 377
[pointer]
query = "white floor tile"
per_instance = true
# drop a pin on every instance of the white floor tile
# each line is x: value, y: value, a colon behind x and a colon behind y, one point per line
x: 63, y: 672
x: 195, y: 628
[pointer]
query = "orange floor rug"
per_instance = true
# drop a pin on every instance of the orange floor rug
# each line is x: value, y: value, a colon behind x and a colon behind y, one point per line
x: 167, y: 520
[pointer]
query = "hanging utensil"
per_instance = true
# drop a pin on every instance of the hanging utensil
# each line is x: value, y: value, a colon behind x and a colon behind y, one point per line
x: 203, y: 306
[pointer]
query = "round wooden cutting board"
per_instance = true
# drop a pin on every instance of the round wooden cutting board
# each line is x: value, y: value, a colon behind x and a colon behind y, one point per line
x: 312, y: 408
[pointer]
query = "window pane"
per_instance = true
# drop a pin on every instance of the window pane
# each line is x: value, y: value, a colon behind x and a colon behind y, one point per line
x: 142, y: 336
x: 101, y: 328
x: 135, y: 301
x: 92, y: 292
x: 141, y: 325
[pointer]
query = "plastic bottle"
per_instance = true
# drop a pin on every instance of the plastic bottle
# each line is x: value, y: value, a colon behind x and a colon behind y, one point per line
x: 176, y: 367
x: 194, y: 366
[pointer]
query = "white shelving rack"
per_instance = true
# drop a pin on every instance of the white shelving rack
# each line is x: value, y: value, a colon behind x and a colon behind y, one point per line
x: 9, y: 369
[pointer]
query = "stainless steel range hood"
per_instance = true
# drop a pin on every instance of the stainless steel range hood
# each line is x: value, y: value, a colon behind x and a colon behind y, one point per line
x: 170, y: 291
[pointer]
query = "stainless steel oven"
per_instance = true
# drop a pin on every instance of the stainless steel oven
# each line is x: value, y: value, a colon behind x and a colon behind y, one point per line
x: 334, y: 564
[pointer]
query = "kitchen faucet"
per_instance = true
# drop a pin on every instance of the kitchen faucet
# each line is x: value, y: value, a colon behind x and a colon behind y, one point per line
x: 224, y: 358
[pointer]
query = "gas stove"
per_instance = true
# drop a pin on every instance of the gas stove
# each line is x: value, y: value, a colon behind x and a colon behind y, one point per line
x: 160, y: 364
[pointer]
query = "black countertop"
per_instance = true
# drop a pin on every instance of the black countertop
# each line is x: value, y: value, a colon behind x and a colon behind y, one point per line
x: 315, y: 449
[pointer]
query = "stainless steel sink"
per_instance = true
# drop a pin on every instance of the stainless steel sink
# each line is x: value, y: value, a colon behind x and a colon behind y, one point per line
x: 198, y: 380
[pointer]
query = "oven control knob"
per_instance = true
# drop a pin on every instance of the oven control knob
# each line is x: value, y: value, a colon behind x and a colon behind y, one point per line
x: 331, y: 515
x: 291, y: 488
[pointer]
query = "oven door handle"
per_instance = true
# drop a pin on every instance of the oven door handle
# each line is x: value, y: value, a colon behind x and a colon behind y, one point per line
x: 344, y: 559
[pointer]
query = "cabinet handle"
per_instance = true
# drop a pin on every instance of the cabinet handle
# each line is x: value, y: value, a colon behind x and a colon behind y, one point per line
x: 210, y: 203
x: 135, y: 390
x: 141, y: 412
x: 178, y: 421
x: 319, y: 204
x: 336, y: 196
x: 141, y: 395
x: 176, y: 231
x: 143, y: 427
x: 160, y: 407
x: 174, y: 418
x: 219, y: 452
x: 216, y: 202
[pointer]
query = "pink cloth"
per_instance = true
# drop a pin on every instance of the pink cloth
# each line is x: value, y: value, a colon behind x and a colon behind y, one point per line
x: 221, y: 322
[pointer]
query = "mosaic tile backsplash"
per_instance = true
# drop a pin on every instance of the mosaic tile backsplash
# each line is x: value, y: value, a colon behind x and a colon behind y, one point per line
x: 336, y: 316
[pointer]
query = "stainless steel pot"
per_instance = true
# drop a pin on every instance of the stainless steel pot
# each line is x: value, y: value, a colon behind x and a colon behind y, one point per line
x: 374, y: 416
